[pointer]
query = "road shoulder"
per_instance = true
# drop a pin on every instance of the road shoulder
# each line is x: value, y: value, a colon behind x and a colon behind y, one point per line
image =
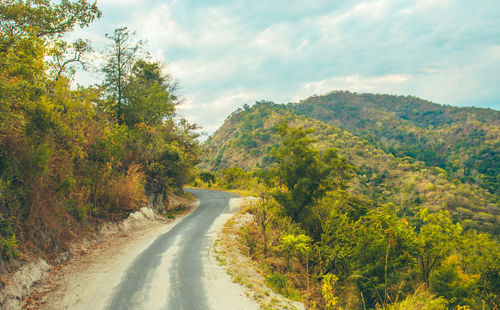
x: 224, y: 293
x: 226, y: 250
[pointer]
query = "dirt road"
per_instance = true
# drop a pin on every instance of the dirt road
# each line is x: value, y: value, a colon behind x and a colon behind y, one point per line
x: 168, y: 267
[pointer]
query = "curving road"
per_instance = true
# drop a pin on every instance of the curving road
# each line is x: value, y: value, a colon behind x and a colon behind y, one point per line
x: 169, y: 274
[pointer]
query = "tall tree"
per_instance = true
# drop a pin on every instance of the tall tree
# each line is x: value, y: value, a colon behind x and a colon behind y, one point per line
x: 438, y: 237
x: 29, y: 27
x: 149, y: 94
x: 120, y: 59
x: 305, y: 174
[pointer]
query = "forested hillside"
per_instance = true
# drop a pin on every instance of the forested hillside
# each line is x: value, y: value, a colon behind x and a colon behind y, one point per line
x: 345, y: 224
x: 247, y: 138
x: 71, y: 158
x: 463, y: 141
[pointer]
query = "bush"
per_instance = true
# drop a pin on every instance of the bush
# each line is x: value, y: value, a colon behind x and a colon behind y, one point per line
x: 279, y: 283
x: 250, y: 238
x: 8, y: 247
x: 126, y: 193
x: 453, y: 284
x: 207, y: 177
x: 420, y: 299
x: 8, y: 241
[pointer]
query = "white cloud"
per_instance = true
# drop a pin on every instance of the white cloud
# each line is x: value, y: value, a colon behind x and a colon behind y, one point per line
x: 203, y: 70
x: 210, y: 112
x: 366, y: 9
x: 218, y: 28
x: 226, y: 54
x: 278, y: 41
x: 188, y: 103
x: 230, y: 100
x: 159, y: 27
x: 433, y: 3
x: 373, y: 9
x: 120, y: 2
x: 406, y: 11
x: 354, y: 82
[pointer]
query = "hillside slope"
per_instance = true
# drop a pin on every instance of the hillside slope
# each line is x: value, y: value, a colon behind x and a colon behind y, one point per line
x: 463, y: 141
x: 247, y: 137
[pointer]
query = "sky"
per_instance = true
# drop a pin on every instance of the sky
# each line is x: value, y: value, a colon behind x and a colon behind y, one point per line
x: 229, y: 53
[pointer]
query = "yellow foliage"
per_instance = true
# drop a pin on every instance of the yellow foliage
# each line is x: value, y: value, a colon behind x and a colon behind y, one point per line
x: 329, y: 281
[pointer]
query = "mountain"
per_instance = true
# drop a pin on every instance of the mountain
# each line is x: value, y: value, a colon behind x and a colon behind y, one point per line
x: 463, y: 141
x: 376, y: 133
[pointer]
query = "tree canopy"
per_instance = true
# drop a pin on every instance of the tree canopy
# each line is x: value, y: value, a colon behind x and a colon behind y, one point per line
x: 71, y: 158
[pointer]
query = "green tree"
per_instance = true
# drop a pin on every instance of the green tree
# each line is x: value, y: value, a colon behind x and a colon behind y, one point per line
x: 437, y: 238
x: 233, y: 177
x: 295, y: 246
x: 149, y: 95
x: 65, y: 57
x: 385, y: 250
x: 329, y: 297
x: 480, y: 255
x: 305, y: 174
x: 208, y: 177
x: 265, y: 212
x: 64, y: 162
x: 44, y: 18
x: 338, y: 214
x: 450, y: 282
x: 121, y: 57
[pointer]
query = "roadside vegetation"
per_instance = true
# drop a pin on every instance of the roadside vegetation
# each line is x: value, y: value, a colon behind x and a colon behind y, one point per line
x: 317, y: 240
x: 72, y: 157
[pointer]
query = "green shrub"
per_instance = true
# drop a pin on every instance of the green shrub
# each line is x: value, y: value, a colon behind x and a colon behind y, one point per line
x: 8, y: 247
x: 452, y: 283
x: 277, y: 282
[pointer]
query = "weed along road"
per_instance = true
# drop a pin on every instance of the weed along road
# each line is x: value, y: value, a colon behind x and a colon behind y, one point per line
x: 172, y: 273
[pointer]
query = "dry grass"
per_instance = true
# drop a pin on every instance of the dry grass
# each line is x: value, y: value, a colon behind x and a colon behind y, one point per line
x: 127, y: 193
x: 421, y: 299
